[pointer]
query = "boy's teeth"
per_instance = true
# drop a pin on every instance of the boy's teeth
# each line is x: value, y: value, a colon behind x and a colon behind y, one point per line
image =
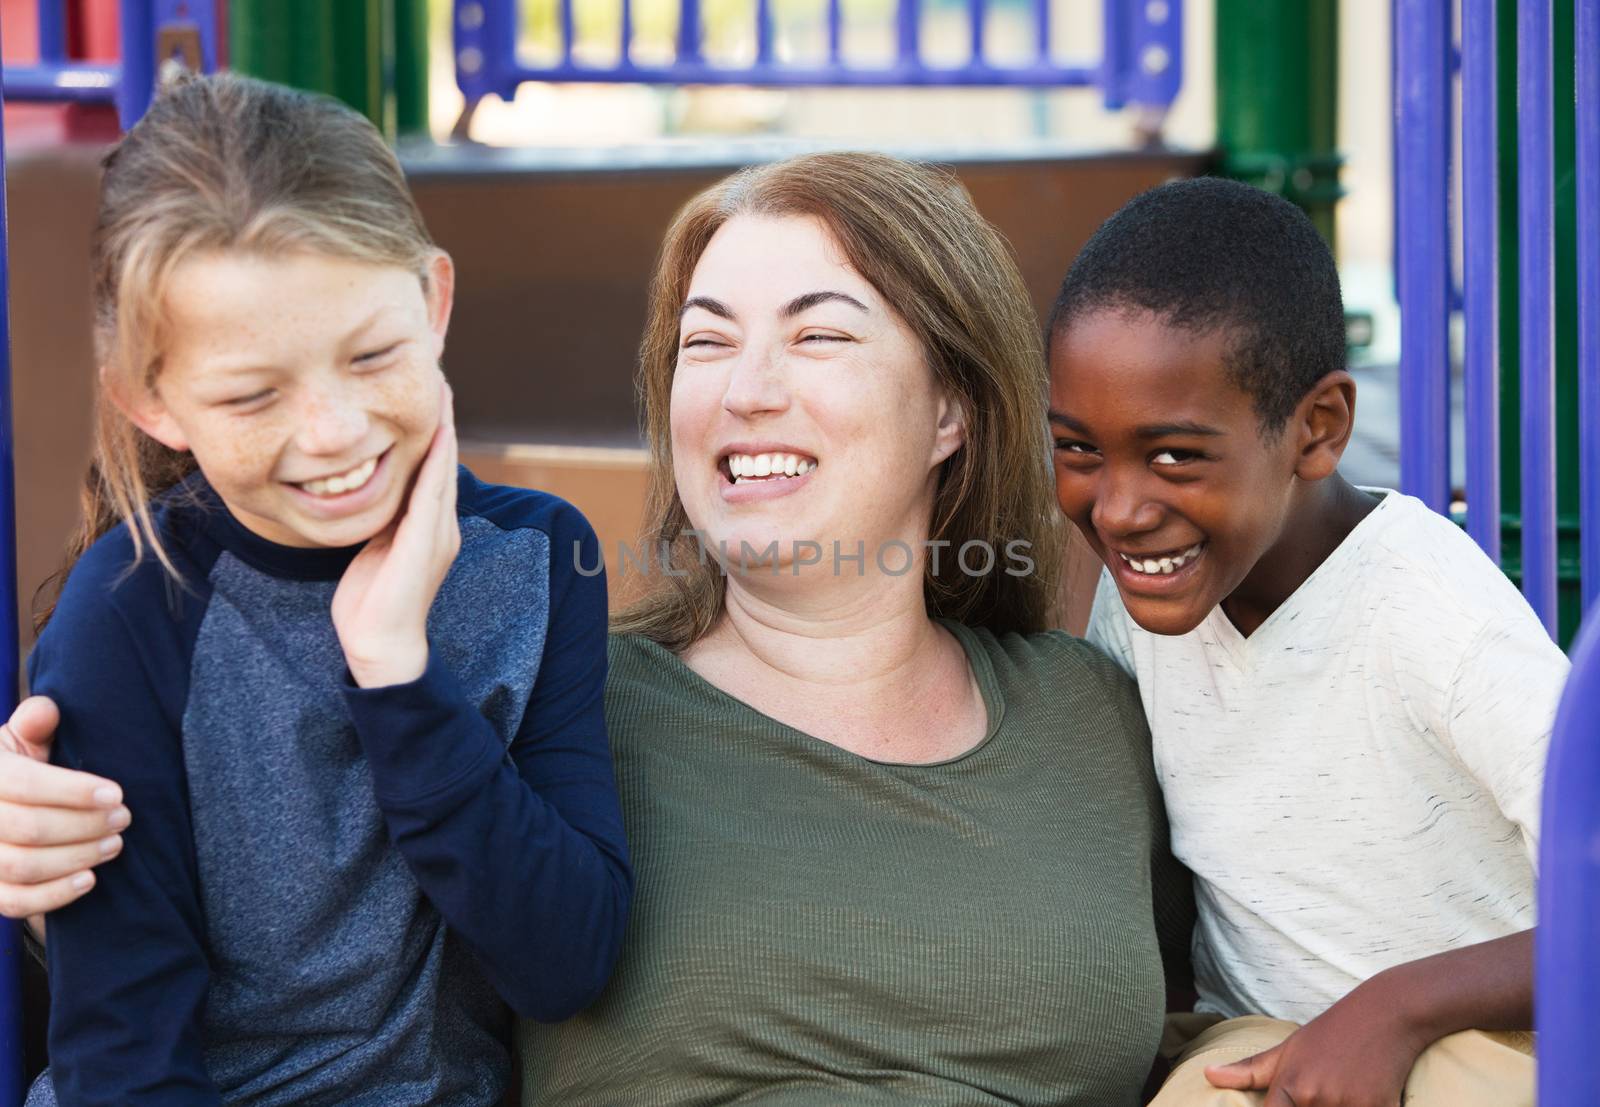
x: 757, y: 466
x: 343, y: 482
x: 1161, y: 566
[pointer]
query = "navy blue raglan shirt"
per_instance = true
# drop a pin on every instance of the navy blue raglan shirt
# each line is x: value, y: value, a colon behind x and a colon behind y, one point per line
x: 331, y: 894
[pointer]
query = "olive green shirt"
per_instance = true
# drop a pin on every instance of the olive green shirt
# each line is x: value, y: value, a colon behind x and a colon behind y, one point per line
x: 812, y: 927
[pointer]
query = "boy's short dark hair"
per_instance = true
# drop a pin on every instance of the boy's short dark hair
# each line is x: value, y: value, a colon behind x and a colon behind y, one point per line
x: 1210, y: 254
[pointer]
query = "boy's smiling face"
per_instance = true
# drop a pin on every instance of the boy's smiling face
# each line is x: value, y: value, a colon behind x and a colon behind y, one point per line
x: 1161, y: 461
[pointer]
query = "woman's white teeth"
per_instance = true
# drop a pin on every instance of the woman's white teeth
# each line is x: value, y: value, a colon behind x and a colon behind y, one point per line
x: 755, y: 466
x: 1161, y: 566
x: 344, y: 482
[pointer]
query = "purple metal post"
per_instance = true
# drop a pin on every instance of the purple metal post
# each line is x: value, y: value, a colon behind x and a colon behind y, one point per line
x: 137, y: 82
x: 763, y: 31
x: 1587, y: 38
x: 1041, y: 29
x: 1422, y: 244
x: 625, y: 47
x: 1536, y: 310
x: 1479, y: 235
x: 568, y: 31
x: 835, y: 31
x: 1566, y: 968
x: 976, y: 9
x: 908, y: 33
x: 688, y: 32
x: 52, y: 31
x: 10, y: 940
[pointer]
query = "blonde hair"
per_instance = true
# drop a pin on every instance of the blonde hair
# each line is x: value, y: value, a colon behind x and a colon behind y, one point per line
x: 218, y: 163
x: 913, y: 233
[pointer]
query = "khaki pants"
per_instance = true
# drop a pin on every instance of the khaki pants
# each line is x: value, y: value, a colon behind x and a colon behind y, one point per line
x: 1471, y: 1069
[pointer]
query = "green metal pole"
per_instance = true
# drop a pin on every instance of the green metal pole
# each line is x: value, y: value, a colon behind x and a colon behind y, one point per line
x: 411, y: 66
x: 330, y: 46
x: 1277, y: 99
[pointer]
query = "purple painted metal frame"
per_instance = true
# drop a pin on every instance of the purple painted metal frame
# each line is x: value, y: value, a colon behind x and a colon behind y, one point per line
x: 1480, y: 236
x: 129, y: 84
x: 1142, y: 64
x: 1586, y: 38
x: 1422, y: 244
x: 1566, y: 961
x: 11, y: 952
x: 1536, y: 310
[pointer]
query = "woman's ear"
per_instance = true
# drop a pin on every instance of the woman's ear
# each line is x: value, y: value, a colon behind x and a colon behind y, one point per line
x: 440, y: 290
x: 1324, y: 420
x: 145, y: 410
x: 950, y: 434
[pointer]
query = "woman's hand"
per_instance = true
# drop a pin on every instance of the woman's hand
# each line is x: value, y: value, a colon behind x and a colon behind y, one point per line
x: 55, y: 824
x: 380, y: 609
x: 1357, y: 1053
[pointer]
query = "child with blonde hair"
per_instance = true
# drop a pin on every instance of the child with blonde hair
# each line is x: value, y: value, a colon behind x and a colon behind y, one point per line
x: 353, y: 693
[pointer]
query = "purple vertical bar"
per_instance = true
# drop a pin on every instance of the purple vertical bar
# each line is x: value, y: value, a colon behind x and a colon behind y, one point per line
x: 1536, y: 311
x: 137, y: 84
x: 1566, y: 969
x: 1114, y: 54
x: 688, y: 32
x: 1422, y: 244
x: 625, y: 34
x: 1587, y: 38
x: 1041, y: 29
x: 52, y: 31
x: 10, y: 939
x: 908, y: 37
x: 835, y: 30
x: 568, y: 32
x: 763, y: 32
x: 976, y: 9
x: 1479, y: 237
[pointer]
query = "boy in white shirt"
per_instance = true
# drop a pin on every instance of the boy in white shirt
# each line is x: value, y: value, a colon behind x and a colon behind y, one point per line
x: 1349, y: 702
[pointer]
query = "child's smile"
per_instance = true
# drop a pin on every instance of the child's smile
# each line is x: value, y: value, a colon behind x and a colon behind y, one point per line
x: 306, y: 386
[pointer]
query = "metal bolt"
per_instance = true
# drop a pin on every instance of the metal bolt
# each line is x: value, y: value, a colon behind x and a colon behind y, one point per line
x: 1303, y: 180
x: 1155, y: 60
x: 471, y: 17
x: 1156, y: 12
x: 470, y: 60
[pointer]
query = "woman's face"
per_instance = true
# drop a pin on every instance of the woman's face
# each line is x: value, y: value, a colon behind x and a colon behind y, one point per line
x: 803, y: 410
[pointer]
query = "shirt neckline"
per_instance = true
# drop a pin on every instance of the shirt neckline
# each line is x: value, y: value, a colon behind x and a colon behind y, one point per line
x: 308, y: 563
x: 978, y: 660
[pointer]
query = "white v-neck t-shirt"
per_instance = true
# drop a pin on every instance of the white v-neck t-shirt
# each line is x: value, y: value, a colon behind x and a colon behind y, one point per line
x: 1356, y: 784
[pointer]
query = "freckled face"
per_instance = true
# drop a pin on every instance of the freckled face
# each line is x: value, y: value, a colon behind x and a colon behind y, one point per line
x: 306, y: 386
x: 1160, y: 462
x: 786, y: 352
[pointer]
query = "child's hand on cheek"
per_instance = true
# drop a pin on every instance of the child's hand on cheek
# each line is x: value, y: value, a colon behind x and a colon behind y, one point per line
x: 380, y: 609
x: 1357, y: 1053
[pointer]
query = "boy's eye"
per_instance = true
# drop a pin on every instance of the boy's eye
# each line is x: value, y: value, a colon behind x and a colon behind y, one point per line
x: 254, y: 399
x: 1173, y: 457
x: 372, y: 357
x: 1074, y: 447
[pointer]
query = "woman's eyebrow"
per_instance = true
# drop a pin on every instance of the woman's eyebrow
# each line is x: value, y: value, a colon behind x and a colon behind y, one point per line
x: 812, y: 299
x: 715, y: 307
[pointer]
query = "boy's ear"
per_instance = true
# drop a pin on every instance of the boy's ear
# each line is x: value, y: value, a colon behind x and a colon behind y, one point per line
x: 145, y: 410
x: 951, y: 432
x: 1324, y: 418
x: 441, y: 293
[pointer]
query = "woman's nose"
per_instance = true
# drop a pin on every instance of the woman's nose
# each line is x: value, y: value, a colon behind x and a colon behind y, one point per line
x: 756, y: 384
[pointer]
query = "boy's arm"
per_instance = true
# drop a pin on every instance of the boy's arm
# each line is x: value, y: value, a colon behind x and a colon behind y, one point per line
x: 523, y: 856
x: 128, y: 967
x: 1495, y: 712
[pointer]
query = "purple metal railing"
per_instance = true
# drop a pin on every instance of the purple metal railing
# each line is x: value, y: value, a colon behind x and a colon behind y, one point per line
x: 1479, y: 257
x: 1586, y: 38
x: 1567, y: 961
x: 153, y: 33
x: 11, y: 953
x: 1142, y: 62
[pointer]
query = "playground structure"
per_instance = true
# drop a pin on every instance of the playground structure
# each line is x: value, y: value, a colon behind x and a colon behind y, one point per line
x: 1529, y: 287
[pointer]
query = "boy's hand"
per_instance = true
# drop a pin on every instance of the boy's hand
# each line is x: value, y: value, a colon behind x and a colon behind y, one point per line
x: 1357, y: 1053
x: 380, y: 609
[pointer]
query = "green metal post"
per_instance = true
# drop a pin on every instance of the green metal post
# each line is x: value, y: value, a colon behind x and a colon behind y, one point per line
x: 1277, y: 99
x: 411, y: 66
x: 1566, y: 346
x: 336, y: 48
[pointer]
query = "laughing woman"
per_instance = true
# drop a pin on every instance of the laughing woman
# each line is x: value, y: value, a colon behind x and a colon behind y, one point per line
x: 894, y: 841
